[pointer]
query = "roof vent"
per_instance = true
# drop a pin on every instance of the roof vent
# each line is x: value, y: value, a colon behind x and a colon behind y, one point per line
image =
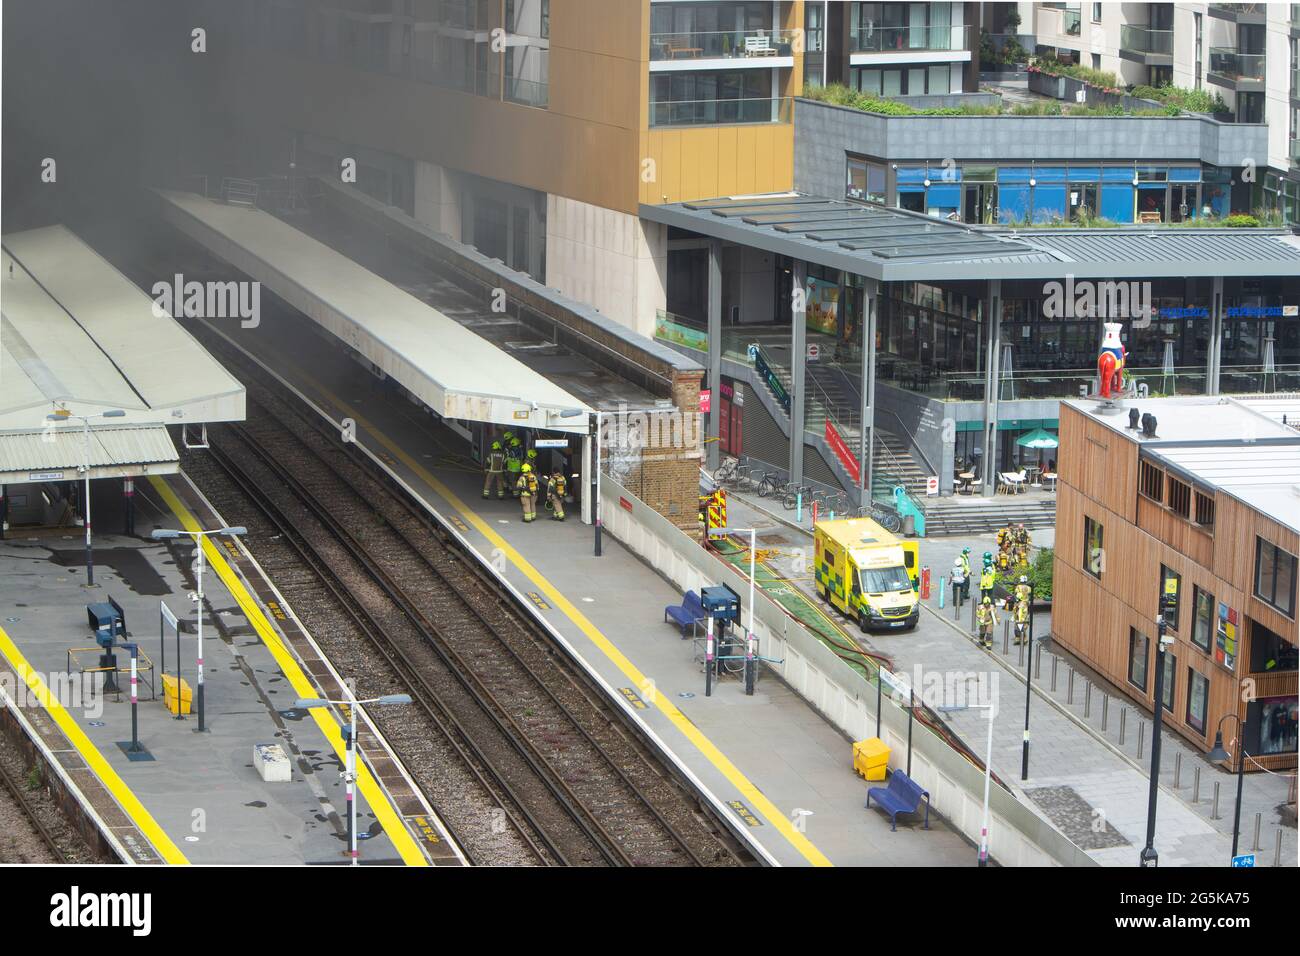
x: 1133, y: 418
x: 1148, y: 425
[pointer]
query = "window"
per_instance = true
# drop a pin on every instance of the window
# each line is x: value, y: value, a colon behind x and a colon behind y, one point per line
x: 1204, y: 511
x: 1180, y: 497
x: 1151, y: 481
x: 1198, y: 700
x: 1094, y: 559
x: 1270, y: 652
x: 1168, y: 678
x: 1138, y: 647
x: 1203, y: 621
x: 866, y: 181
x: 1096, y: 61
x: 1275, y: 724
x: 1096, y: 14
x: 1171, y: 583
x: 1275, y: 575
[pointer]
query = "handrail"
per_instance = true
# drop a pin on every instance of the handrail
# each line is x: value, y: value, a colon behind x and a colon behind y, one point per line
x: 903, y: 430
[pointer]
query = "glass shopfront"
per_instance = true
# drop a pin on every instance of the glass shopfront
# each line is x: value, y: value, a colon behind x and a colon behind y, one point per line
x: 1037, y: 195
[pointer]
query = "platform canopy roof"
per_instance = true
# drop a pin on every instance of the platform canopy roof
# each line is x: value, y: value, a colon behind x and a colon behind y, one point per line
x: 895, y: 245
x: 77, y: 335
x: 61, y: 453
x: 455, y: 372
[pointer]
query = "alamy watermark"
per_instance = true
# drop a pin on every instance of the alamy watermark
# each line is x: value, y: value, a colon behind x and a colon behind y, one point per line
x: 209, y: 300
x: 1086, y: 299
x: 82, y: 692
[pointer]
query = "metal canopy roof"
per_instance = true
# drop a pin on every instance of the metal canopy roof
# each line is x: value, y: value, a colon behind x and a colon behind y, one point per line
x: 457, y: 373
x: 896, y: 245
x: 76, y: 333
x: 59, y: 454
x: 1237, y: 447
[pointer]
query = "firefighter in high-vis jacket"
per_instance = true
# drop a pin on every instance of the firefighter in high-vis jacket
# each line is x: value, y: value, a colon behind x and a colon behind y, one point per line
x: 966, y: 571
x: 556, y: 488
x: 514, y: 463
x: 526, y: 489
x: 987, y: 578
x: 494, y: 467
x: 1022, y: 621
x: 1023, y: 591
x: 987, y: 618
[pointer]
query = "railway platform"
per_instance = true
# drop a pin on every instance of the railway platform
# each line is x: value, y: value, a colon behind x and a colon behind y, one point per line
x: 774, y: 769
x: 192, y: 797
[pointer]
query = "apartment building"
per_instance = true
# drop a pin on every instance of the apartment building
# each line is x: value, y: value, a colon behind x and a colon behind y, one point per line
x: 1247, y: 53
x: 1204, y: 510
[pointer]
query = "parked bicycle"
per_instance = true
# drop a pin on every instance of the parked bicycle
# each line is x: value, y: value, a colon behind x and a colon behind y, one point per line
x: 885, y: 517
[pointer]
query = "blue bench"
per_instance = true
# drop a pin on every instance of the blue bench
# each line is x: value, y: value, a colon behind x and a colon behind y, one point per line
x: 685, y: 615
x: 903, y: 795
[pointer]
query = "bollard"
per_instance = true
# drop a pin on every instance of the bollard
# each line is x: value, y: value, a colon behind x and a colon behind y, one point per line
x: 1055, y: 660
x: 1020, y: 653
x: 1038, y: 662
x: 943, y: 590
x: 1105, y: 710
x: 1178, y: 770
x: 1123, y: 719
x: 1214, y: 807
x: 1255, y: 845
x: 1277, y: 849
x: 1142, y: 736
x: 1196, y: 785
x: 1087, y: 700
x: 1006, y: 636
x: 1069, y: 688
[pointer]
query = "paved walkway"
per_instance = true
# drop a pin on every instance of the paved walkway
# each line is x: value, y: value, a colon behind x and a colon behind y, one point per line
x: 1080, y: 777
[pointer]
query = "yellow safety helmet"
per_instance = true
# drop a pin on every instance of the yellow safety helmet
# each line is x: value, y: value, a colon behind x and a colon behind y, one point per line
x: 528, y: 469
x: 532, y: 454
x: 514, y: 442
x: 987, y: 599
x: 496, y: 446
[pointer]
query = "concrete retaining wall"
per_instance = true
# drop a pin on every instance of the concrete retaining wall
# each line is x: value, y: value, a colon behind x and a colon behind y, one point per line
x: 1017, y: 835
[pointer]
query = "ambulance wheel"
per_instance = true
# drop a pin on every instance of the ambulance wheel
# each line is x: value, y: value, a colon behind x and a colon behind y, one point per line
x: 863, y: 622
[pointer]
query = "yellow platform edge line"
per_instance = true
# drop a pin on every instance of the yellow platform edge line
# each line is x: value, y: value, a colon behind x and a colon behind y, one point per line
x: 376, y: 798
x: 124, y: 795
x: 702, y: 743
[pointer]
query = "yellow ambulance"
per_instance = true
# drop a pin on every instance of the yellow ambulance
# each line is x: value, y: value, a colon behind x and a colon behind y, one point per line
x: 867, y: 573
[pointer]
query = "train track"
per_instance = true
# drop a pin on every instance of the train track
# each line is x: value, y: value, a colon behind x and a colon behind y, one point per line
x: 24, y: 836
x: 583, y: 787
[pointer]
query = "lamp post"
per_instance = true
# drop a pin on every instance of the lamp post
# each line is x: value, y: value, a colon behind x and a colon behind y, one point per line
x: 63, y: 415
x: 1217, y: 753
x: 988, y: 774
x: 161, y: 534
x: 593, y: 431
x: 1149, y: 856
x: 350, y: 776
x: 1029, y: 686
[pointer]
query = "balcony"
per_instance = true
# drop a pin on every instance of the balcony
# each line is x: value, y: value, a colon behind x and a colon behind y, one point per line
x: 758, y: 48
x: 720, y: 112
x: 1235, y: 70
x: 1251, y: 13
x: 1071, y: 23
x: 1147, y: 46
x: 527, y: 92
x: 874, y: 39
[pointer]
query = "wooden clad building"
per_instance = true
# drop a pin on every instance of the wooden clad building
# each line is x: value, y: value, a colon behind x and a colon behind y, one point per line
x: 1207, y: 509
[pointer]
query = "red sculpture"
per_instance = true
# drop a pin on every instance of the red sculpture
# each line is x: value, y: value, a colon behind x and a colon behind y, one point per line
x: 1110, y: 361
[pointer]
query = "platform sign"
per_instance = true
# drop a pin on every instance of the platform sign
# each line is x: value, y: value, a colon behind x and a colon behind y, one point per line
x: 1245, y: 859
x: 45, y: 476
x: 551, y: 443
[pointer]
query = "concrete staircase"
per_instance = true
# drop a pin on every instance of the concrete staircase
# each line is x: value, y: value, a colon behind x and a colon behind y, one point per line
x: 970, y: 515
x: 829, y: 397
